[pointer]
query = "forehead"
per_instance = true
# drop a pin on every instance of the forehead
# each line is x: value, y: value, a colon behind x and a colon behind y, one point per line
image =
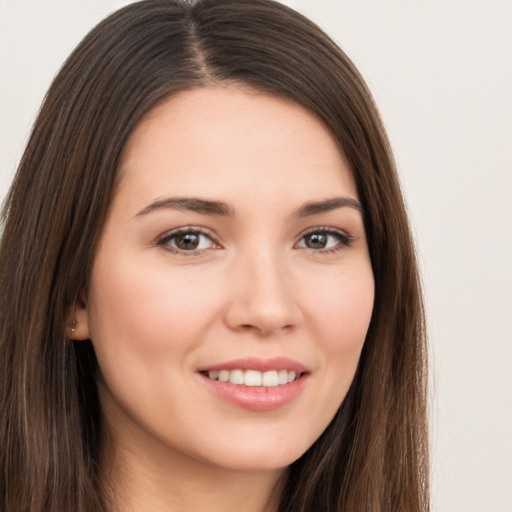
x: 232, y: 140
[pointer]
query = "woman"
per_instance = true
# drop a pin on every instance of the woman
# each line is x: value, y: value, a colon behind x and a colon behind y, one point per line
x: 209, y: 292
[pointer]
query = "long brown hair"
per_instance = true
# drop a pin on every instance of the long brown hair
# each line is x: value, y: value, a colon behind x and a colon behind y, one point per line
x: 373, y: 457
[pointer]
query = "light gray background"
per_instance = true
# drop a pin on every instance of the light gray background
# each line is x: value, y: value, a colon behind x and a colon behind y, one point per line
x: 441, y: 72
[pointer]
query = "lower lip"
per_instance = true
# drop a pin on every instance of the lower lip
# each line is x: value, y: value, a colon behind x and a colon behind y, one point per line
x: 257, y: 398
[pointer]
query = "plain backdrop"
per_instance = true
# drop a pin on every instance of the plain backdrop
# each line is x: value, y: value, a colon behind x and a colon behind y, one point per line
x: 441, y: 72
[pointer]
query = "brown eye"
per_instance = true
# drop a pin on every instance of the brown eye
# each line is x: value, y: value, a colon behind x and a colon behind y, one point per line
x: 316, y: 240
x: 187, y: 241
x: 184, y: 241
x: 324, y: 240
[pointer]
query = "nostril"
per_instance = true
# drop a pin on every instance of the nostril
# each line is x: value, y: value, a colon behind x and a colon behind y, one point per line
x: 264, y: 329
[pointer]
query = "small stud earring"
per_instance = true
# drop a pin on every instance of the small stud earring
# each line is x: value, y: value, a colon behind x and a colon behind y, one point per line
x: 72, y: 326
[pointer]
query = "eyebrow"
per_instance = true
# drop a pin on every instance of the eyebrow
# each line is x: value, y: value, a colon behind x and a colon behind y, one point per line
x: 192, y: 204
x: 317, y: 207
x: 208, y: 207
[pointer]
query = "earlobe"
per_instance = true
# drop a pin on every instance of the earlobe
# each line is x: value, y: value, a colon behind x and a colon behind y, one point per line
x: 77, y: 324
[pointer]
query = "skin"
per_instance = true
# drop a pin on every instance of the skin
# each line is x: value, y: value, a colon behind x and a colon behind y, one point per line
x: 255, y: 286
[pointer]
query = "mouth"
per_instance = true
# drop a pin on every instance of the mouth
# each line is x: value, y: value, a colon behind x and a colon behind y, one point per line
x: 256, y: 384
x: 254, y: 378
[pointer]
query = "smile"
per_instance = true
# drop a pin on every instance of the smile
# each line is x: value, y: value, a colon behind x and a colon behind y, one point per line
x: 257, y: 384
x: 254, y: 378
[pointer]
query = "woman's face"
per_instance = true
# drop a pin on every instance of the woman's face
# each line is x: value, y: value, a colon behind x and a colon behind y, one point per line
x: 232, y: 288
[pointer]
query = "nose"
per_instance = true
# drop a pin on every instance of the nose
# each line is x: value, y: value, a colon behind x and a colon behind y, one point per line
x: 263, y: 298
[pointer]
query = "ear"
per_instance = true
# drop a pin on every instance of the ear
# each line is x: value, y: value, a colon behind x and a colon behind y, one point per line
x: 77, y: 322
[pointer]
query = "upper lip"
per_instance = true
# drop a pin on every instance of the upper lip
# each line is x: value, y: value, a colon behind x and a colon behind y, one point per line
x: 259, y: 364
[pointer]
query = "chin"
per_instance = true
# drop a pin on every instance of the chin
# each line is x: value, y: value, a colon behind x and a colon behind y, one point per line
x: 268, y: 455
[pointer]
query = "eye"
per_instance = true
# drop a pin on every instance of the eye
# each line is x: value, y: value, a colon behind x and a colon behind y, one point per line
x: 324, y: 240
x: 187, y: 240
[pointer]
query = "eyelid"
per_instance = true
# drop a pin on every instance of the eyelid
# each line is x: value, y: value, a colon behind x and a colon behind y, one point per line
x: 162, y: 240
x: 344, y: 238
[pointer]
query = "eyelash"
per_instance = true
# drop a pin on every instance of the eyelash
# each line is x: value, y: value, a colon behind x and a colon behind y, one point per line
x: 344, y: 240
x: 165, y: 240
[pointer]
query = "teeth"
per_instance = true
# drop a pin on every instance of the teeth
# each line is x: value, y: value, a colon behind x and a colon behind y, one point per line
x: 215, y: 375
x: 236, y: 377
x: 253, y: 378
x: 282, y: 377
x: 270, y: 379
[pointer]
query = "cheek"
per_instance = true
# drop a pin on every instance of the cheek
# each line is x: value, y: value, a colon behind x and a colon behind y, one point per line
x: 146, y: 309
x: 146, y: 325
x: 340, y: 314
x: 342, y: 305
